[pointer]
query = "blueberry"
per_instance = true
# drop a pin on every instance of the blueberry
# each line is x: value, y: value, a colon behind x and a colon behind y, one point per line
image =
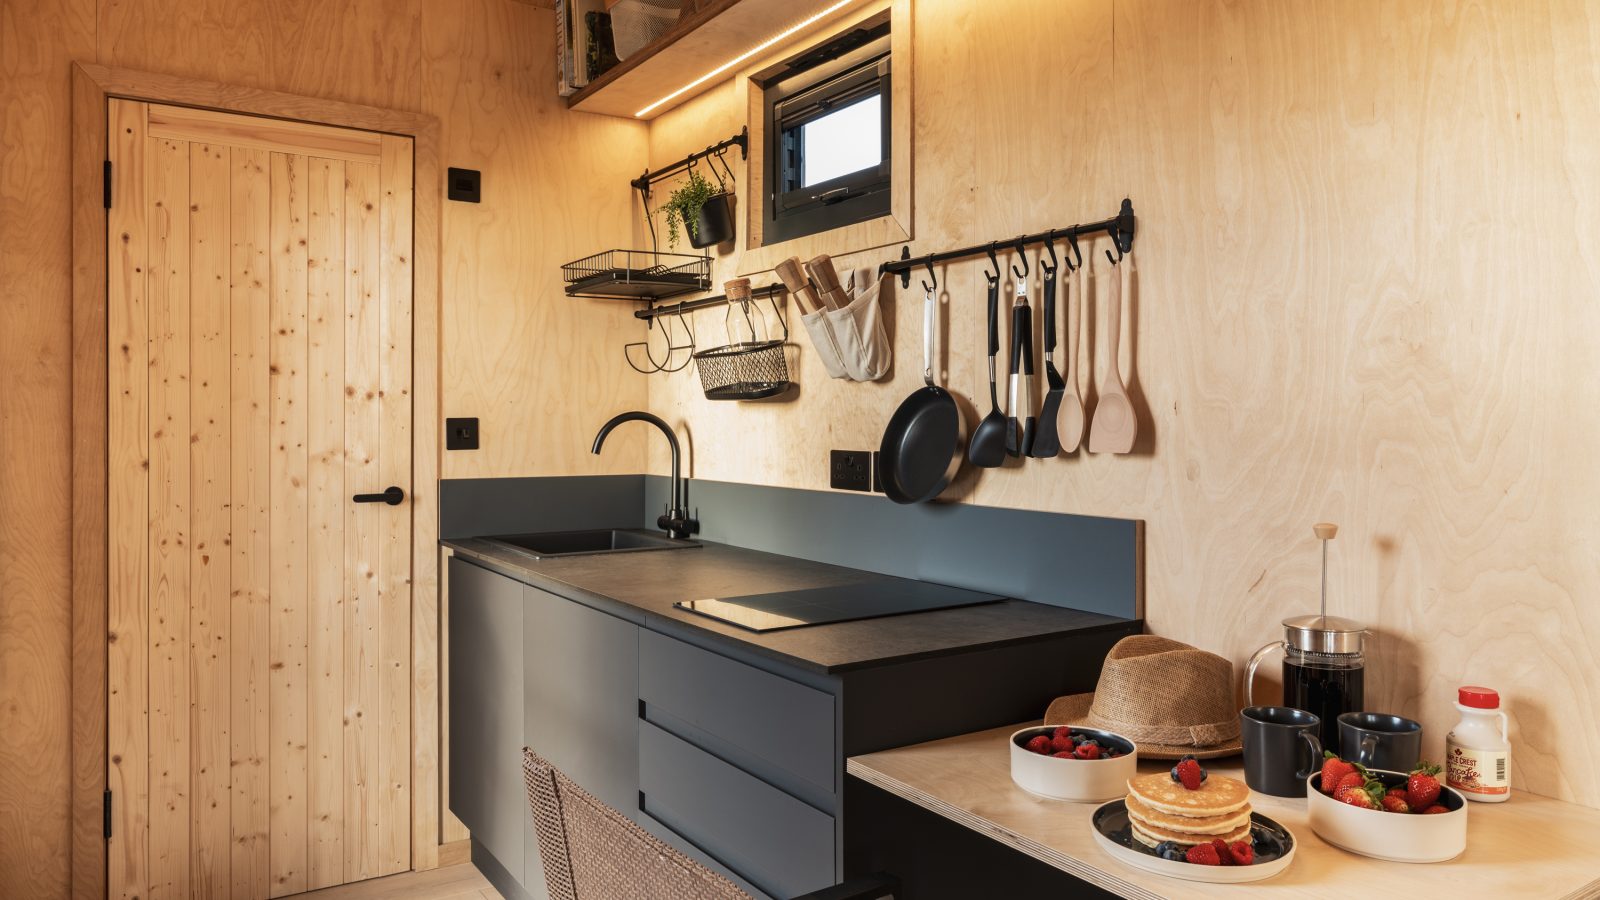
x: 1091, y: 742
x: 1175, y: 774
x: 1171, y: 850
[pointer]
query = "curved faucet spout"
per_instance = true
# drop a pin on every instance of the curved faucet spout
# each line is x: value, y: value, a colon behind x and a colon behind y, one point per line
x: 676, y: 522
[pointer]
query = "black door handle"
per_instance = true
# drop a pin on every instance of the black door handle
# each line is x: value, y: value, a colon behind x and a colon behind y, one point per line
x: 391, y: 495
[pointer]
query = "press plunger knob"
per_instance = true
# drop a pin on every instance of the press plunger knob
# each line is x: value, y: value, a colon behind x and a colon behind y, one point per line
x: 1325, y: 531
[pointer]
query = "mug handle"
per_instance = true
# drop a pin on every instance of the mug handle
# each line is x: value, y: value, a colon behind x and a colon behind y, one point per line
x: 1368, y: 750
x: 1316, y: 755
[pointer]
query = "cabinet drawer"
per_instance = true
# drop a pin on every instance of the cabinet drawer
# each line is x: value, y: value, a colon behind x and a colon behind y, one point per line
x: 761, y: 834
x: 782, y: 722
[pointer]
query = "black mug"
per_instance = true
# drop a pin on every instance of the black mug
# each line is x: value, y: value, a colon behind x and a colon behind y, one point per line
x: 1276, y: 741
x: 1380, y: 741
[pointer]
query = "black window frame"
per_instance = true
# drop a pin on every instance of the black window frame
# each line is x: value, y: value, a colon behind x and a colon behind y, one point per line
x: 847, y: 69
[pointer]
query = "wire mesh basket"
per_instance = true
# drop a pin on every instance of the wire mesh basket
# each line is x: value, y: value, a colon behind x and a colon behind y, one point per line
x: 746, y: 370
x: 637, y: 275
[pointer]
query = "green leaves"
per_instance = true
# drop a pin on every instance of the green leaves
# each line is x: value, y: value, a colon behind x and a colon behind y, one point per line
x: 683, y: 207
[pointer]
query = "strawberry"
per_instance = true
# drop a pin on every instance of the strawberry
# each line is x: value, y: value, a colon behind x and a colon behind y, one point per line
x: 1040, y: 743
x: 1396, y: 803
x: 1242, y: 852
x: 1223, y: 854
x: 1061, y: 743
x: 1355, y: 795
x: 1422, y: 788
x: 1435, y: 810
x: 1191, y: 775
x: 1204, y: 855
x: 1353, y: 778
x: 1333, y: 769
x: 1396, y: 792
x: 1088, y: 751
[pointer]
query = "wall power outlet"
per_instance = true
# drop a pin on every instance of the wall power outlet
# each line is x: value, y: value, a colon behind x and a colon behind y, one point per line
x: 850, y: 470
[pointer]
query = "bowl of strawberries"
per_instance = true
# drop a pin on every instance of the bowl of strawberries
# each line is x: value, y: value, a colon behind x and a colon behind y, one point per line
x: 1399, y: 816
x: 1073, y: 763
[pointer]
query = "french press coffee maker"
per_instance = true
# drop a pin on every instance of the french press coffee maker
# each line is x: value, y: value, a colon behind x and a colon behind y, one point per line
x: 1324, y: 671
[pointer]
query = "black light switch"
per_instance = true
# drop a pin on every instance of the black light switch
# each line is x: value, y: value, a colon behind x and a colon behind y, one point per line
x: 464, y: 185
x: 461, y: 434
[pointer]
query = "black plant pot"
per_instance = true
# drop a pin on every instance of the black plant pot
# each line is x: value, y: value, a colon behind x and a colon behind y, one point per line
x: 715, y: 222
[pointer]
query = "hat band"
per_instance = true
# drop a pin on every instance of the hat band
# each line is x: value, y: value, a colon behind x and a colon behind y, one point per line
x: 1206, y: 735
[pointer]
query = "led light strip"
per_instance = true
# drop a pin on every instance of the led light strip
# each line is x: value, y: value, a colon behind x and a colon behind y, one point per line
x: 764, y: 45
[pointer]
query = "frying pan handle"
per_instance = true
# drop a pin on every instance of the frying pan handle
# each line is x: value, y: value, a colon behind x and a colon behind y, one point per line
x: 994, y: 317
x: 1049, y: 291
x: 927, y: 338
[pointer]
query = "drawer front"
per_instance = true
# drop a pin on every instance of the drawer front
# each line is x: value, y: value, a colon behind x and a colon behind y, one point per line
x: 768, y: 838
x: 778, y: 720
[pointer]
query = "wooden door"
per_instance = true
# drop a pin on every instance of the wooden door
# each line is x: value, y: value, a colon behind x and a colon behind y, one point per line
x: 259, y: 326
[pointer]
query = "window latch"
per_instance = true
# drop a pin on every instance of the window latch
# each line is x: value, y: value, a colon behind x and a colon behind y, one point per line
x: 834, y: 196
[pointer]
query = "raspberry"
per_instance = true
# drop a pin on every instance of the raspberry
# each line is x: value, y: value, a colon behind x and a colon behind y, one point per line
x: 1204, y: 855
x: 1242, y: 852
x: 1087, y: 750
x: 1060, y: 743
x: 1063, y: 754
x: 1039, y: 743
x: 1190, y: 773
x: 1224, y: 856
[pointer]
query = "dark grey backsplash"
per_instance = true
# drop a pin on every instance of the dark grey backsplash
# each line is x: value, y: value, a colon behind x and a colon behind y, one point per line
x: 1080, y: 562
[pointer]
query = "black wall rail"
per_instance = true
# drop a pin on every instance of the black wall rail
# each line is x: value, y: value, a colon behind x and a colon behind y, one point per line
x: 1120, y: 227
x: 692, y: 305
x: 740, y: 140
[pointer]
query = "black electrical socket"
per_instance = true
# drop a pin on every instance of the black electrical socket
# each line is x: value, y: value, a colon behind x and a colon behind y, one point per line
x: 850, y: 470
x: 461, y: 434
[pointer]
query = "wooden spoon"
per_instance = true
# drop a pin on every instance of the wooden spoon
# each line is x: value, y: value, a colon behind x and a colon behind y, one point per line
x: 1072, y: 416
x: 1114, y: 425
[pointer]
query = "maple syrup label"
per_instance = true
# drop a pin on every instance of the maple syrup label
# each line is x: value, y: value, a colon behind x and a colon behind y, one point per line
x: 1480, y: 772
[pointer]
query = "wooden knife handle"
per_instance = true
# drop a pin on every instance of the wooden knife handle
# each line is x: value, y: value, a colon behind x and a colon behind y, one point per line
x: 795, y: 280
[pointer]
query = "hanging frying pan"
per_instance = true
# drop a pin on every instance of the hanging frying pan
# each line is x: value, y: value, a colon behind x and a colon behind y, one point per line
x: 922, y: 447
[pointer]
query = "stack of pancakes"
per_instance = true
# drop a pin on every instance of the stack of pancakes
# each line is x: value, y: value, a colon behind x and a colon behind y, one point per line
x: 1160, y: 809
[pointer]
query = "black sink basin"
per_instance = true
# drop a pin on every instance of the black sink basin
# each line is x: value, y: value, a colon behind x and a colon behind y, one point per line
x: 584, y: 543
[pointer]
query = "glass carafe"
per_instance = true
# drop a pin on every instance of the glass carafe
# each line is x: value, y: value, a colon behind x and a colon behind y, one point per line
x: 1324, y: 671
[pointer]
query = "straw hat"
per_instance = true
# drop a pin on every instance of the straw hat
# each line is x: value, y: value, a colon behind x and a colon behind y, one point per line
x: 1168, y: 697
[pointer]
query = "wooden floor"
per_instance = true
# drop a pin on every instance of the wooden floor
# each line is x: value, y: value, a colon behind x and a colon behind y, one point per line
x: 458, y: 882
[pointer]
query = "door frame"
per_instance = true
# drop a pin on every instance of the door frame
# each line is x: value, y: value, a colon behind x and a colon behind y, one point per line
x: 93, y: 85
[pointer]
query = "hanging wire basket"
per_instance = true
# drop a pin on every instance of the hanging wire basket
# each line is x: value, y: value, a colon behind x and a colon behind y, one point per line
x: 746, y: 370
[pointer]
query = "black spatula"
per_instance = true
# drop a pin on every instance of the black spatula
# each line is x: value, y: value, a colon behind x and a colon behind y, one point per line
x: 988, y: 445
x: 1046, y: 439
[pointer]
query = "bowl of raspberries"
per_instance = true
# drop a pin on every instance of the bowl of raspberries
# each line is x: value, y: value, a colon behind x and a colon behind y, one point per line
x: 1398, y: 816
x: 1064, y: 762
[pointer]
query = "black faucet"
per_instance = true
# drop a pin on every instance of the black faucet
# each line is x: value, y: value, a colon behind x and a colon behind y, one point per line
x: 676, y: 522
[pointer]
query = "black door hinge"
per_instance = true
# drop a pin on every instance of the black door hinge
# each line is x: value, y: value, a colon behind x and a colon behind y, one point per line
x: 108, y: 184
x: 108, y: 800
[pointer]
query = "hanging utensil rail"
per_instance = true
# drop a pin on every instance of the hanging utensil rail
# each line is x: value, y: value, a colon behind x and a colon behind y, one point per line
x: 740, y: 140
x: 692, y: 305
x: 1120, y: 227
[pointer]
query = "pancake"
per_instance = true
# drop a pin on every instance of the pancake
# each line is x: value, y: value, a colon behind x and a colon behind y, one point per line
x: 1207, y: 825
x: 1217, y: 796
x: 1150, y: 836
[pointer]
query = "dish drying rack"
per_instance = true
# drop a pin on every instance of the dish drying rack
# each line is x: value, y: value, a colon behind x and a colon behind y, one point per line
x: 647, y: 275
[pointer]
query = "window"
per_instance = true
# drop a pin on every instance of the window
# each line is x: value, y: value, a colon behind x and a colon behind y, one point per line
x: 827, y: 136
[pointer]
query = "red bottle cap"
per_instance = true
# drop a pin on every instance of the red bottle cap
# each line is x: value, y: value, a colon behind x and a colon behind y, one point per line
x: 1479, y: 697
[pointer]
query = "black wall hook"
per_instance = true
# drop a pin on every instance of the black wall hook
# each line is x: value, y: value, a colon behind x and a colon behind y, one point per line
x: 1022, y: 252
x: 1050, y: 247
x: 994, y: 277
x: 1072, y: 240
x: 930, y: 288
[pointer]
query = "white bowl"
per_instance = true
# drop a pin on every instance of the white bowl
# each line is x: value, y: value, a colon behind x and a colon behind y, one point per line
x: 1079, y: 780
x: 1398, y: 837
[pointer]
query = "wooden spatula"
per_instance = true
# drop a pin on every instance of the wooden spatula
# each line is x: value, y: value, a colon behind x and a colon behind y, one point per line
x: 1114, y: 425
x: 1072, y: 417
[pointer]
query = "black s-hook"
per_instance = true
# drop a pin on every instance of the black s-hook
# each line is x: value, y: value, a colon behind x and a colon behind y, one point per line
x: 930, y: 288
x: 1022, y: 251
x: 994, y: 277
x: 1050, y: 245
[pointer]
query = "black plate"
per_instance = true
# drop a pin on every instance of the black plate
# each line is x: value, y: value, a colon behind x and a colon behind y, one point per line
x: 1272, y: 841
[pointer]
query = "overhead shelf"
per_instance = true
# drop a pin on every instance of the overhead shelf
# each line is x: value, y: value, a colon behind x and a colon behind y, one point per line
x: 710, y: 43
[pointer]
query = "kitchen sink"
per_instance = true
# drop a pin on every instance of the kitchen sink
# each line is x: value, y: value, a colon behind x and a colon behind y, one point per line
x: 585, y: 543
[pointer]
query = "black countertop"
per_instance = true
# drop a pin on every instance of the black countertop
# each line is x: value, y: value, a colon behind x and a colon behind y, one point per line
x: 643, y: 586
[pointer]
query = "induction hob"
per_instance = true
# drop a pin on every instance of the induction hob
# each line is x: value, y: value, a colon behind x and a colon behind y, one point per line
x: 842, y: 603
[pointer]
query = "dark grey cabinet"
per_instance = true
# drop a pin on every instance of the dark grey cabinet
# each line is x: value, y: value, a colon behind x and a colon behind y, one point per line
x: 528, y: 668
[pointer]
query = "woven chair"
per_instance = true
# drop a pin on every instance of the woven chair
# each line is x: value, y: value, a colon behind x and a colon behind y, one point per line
x: 592, y: 852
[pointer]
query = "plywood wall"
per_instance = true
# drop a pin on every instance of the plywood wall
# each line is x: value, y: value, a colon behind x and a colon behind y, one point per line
x: 1365, y: 292
x: 511, y: 342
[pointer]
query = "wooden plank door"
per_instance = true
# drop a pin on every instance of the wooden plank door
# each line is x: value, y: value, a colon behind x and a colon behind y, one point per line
x: 259, y: 621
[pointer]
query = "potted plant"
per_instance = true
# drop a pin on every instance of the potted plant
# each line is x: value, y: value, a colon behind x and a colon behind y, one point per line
x: 702, y: 209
